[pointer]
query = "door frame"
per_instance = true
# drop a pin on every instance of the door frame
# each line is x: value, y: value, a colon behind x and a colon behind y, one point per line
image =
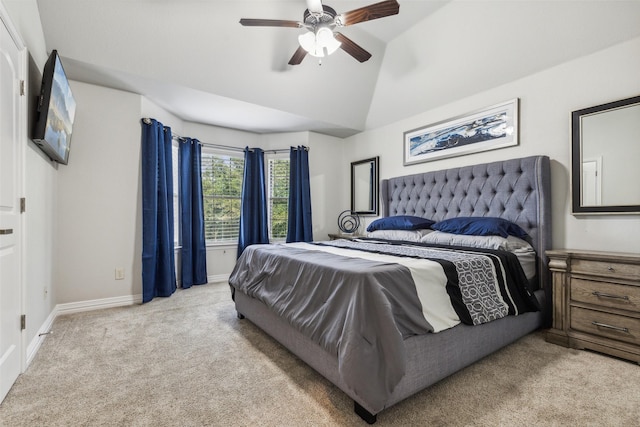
x: 597, y: 163
x: 20, y: 166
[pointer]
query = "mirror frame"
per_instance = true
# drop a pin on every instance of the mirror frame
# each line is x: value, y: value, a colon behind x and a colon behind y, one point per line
x: 374, y: 186
x: 576, y: 160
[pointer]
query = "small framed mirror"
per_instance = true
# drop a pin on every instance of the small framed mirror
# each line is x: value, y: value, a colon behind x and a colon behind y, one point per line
x: 364, y: 186
x: 605, y: 153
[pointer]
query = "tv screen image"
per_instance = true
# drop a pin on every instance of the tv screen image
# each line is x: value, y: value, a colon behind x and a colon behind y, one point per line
x: 57, y: 110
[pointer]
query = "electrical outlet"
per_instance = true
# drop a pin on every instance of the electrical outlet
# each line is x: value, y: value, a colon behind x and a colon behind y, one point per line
x: 120, y: 273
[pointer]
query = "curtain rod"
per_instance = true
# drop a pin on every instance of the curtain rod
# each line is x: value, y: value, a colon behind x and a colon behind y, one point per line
x: 220, y: 146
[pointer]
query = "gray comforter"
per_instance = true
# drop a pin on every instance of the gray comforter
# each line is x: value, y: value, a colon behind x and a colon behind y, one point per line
x: 356, y: 309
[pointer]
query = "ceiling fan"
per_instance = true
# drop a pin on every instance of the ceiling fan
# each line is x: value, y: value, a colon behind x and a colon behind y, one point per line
x: 321, y: 40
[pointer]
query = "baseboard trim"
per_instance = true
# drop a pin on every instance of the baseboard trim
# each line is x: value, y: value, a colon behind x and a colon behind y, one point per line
x: 37, y: 341
x: 216, y: 278
x: 96, y: 304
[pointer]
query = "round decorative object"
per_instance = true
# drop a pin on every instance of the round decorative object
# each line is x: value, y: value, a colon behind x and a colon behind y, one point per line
x: 348, y: 222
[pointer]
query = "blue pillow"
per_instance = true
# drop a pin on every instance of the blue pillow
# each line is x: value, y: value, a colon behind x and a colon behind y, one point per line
x: 400, y: 222
x: 480, y: 226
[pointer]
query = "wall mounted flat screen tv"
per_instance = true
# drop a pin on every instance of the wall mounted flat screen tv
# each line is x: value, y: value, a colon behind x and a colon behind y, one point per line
x: 56, y: 111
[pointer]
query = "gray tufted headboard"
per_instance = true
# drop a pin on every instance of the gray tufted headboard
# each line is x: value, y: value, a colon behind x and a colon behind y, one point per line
x: 518, y: 190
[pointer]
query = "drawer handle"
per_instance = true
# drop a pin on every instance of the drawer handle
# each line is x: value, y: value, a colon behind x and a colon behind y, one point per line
x: 617, y: 328
x: 5, y: 231
x: 601, y: 295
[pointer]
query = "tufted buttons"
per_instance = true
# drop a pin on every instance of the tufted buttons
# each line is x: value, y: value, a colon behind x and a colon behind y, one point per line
x: 468, y: 191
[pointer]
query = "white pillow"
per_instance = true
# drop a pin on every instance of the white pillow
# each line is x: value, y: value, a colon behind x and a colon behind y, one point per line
x: 406, y: 235
x: 510, y: 243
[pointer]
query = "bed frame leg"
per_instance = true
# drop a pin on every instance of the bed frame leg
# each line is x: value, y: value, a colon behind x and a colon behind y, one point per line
x: 240, y: 316
x: 364, y: 414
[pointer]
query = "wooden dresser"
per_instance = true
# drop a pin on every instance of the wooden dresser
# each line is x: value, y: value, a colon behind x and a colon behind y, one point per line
x: 596, y: 301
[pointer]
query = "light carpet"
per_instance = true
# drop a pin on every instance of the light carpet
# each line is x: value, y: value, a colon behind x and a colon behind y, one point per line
x: 188, y: 361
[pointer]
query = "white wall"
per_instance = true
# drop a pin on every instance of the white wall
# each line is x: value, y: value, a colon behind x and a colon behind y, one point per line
x: 546, y: 101
x: 329, y: 178
x: 40, y: 244
x: 98, y: 193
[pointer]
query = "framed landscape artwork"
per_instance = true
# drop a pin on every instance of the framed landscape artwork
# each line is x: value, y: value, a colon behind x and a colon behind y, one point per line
x: 487, y: 129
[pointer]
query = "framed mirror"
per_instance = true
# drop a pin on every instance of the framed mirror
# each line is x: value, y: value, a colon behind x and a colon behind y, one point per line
x: 605, y: 154
x: 364, y: 186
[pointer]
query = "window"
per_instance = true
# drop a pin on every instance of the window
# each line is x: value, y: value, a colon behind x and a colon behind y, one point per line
x: 176, y: 191
x: 221, y: 189
x: 278, y: 197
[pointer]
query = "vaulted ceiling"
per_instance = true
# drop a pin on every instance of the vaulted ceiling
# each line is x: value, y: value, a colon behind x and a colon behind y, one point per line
x: 193, y: 58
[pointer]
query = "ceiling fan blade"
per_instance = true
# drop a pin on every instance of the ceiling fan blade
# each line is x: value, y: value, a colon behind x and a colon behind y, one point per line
x: 298, y: 56
x: 352, y: 48
x: 314, y: 6
x: 367, y: 13
x: 269, y: 23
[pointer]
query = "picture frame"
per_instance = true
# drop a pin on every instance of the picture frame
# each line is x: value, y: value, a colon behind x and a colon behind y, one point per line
x: 487, y: 129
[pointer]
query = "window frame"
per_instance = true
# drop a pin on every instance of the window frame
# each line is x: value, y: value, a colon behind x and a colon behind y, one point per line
x: 269, y: 157
x: 175, y: 162
x: 208, y: 152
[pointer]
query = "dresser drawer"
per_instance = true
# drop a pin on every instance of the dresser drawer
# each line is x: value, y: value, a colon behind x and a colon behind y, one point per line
x: 621, y: 328
x: 606, y: 269
x: 624, y: 297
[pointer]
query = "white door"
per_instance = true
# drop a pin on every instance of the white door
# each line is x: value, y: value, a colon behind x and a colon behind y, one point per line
x: 591, y: 183
x: 10, y: 156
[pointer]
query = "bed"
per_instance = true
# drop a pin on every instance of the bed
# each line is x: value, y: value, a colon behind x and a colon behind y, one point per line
x: 393, y: 356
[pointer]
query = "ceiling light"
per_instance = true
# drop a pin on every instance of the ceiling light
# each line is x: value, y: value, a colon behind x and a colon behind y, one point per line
x: 319, y: 44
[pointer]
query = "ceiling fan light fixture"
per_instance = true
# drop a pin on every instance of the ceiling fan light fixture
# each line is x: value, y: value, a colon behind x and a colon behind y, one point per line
x: 319, y: 44
x: 326, y: 40
x: 308, y: 42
